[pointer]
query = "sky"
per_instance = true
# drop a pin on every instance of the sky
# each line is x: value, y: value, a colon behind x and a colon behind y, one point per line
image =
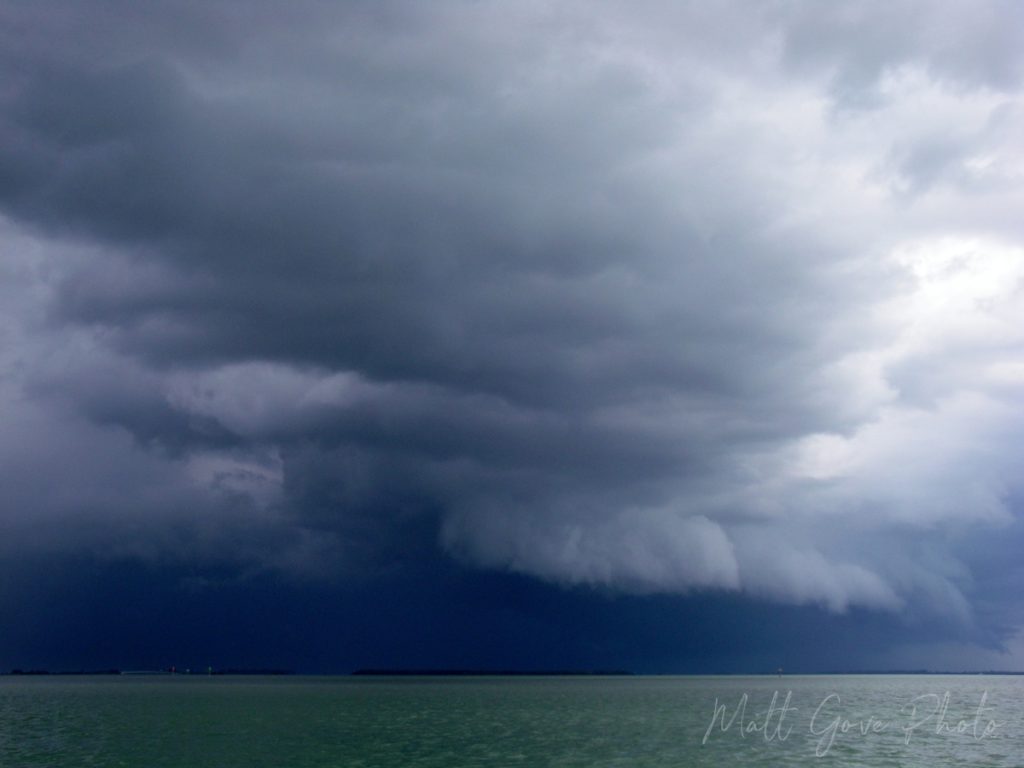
x: 661, y: 336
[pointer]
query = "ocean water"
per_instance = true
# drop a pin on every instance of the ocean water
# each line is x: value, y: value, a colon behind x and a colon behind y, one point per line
x: 875, y: 720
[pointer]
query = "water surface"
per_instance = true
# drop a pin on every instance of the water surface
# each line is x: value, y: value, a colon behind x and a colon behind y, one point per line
x: 512, y: 721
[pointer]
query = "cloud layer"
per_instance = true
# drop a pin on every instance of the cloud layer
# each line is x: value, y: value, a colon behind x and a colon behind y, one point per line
x: 656, y: 299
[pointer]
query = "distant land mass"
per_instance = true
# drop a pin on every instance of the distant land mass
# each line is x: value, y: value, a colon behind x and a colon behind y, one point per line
x: 456, y: 672
x: 399, y: 672
x: 169, y: 671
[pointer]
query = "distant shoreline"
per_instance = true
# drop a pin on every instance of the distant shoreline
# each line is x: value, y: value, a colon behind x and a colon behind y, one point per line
x: 489, y: 673
x: 427, y: 672
x: 198, y: 672
x: 624, y: 673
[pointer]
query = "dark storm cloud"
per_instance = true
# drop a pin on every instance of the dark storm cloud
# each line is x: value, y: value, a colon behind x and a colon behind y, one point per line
x: 658, y: 299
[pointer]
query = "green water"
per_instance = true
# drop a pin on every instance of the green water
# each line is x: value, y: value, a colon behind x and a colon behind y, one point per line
x: 542, y: 721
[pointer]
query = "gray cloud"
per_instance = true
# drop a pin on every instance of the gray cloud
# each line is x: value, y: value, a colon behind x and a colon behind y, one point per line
x: 655, y: 300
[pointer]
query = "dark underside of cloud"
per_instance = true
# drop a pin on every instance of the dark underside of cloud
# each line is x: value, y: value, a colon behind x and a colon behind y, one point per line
x: 469, y: 334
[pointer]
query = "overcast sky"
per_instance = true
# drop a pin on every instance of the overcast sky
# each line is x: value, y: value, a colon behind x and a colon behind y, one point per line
x: 666, y: 335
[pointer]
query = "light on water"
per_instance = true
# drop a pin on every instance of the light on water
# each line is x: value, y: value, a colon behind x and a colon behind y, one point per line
x: 883, y: 720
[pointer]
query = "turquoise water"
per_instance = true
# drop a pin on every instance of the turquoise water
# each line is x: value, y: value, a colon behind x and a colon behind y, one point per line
x: 517, y: 721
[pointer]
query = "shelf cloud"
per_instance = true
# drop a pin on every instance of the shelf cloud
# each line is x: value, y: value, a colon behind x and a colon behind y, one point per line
x: 659, y: 299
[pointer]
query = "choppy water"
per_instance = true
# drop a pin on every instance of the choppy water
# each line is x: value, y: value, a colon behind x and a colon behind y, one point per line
x: 544, y: 721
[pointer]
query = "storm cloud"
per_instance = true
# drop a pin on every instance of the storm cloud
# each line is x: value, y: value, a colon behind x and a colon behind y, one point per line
x: 659, y: 299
